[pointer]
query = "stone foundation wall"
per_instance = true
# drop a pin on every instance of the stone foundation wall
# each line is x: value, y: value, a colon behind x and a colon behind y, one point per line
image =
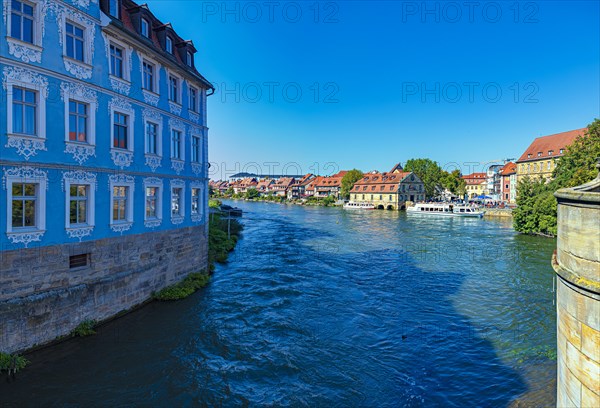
x: 42, y: 298
x: 578, y: 347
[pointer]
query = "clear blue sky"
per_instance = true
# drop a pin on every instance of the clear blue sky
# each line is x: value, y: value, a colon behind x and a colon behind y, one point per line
x: 379, y: 68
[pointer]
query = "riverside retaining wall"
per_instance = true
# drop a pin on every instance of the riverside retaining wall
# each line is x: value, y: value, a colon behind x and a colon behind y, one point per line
x: 42, y: 298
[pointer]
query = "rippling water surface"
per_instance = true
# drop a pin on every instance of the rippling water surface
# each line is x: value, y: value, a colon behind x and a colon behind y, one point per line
x: 325, y: 307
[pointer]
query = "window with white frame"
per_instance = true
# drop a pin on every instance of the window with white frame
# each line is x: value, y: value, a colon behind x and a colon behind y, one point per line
x: 152, y: 199
x: 22, y: 21
x: 24, y: 205
x: 195, y: 208
x: 152, y: 138
x: 117, y: 55
x: 78, y: 121
x: 24, y: 111
x: 169, y: 45
x: 26, y: 201
x: 121, y: 131
x: 149, y: 76
x: 79, y: 204
x: 176, y: 144
x: 177, y: 204
x: 196, y: 143
x: 122, y: 205
x: 190, y: 59
x: 193, y: 99
x: 174, y: 89
x: 74, y: 41
x: 25, y: 104
x: 145, y: 28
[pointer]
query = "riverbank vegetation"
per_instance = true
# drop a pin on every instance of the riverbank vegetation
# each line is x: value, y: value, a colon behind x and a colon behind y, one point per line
x: 11, y: 363
x: 223, y: 235
x: 84, y: 329
x: 536, y: 210
x: 183, y: 289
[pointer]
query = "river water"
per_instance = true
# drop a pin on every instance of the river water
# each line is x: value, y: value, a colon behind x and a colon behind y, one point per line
x: 325, y: 307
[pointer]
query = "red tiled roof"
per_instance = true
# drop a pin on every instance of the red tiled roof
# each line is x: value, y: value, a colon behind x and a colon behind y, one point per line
x: 541, y: 147
x: 475, y: 178
x: 128, y: 7
x: 508, y: 169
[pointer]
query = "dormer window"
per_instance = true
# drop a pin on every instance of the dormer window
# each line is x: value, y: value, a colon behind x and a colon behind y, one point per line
x: 145, y: 26
x: 550, y: 152
x: 169, y: 45
x: 113, y: 8
x: 562, y: 151
x: 190, y: 59
x: 539, y: 154
x: 529, y: 156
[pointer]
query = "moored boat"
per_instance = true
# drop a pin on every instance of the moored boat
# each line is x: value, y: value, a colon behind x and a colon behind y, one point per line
x: 445, y: 210
x: 351, y: 205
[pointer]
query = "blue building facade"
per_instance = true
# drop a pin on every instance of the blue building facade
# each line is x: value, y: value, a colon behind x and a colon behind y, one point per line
x: 93, y: 106
x: 103, y: 137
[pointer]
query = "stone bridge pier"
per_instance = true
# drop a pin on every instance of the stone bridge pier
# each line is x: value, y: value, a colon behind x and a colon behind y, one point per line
x: 577, y: 265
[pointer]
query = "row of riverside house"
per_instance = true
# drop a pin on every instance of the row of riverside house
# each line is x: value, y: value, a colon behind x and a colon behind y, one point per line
x: 389, y: 190
x: 538, y: 160
x: 309, y: 185
x: 392, y: 189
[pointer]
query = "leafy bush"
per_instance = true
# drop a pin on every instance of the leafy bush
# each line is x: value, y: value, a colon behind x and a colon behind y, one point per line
x: 11, y: 363
x: 183, y: 289
x: 214, y: 203
x: 219, y: 245
x: 85, y: 328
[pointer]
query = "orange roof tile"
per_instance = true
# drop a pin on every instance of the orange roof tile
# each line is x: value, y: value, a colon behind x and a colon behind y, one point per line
x: 549, y: 146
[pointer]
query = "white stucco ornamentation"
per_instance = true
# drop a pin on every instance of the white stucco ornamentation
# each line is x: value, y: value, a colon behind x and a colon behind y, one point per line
x: 25, y: 237
x: 26, y: 172
x: 150, y: 98
x: 177, y: 165
x: 78, y: 70
x: 119, y: 85
x: 12, y: 74
x: 80, y: 152
x: 121, y: 227
x: 175, y: 108
x: 119, y: 104
x: 194, y: 117
x: 79, y: 177
x: 121, y: 158
x: 80, y: 233
x: 196, y: 168
x: 152, y: 114
x: 177, y: 124
x: 24, y: 52
x: 153, y: 162
x: 120, y: 179
x: 26, y: 146
x: 78, y: 91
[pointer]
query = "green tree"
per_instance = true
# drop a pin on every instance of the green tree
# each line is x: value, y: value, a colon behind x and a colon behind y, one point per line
x: 229, y: 192
x: 578, y: 164
x: 454, y: 182
x: 430, y: 173
x: 252, y: 193
x: 348, y: 182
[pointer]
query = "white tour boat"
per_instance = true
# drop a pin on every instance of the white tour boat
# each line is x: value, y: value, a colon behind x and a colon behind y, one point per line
x: 445, y: 209
x: 351, y: 205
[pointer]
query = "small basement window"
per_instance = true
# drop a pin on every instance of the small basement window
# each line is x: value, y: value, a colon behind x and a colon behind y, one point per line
x: 78, y: 261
